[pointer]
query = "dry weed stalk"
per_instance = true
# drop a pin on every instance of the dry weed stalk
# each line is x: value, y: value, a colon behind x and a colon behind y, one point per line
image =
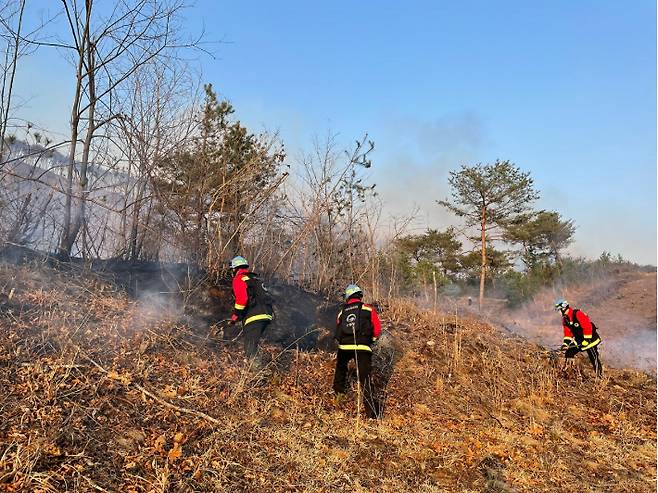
x: 500, y: 420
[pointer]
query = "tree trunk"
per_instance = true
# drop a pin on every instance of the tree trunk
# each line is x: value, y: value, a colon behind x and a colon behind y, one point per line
x: 483, y: 267
x: 134, y: 227
x: 145, y: 228
x: 65, y: 243
x: 64, y: 248
x: 84, y: 180
x: 89, y: 135
x: 6, y: 105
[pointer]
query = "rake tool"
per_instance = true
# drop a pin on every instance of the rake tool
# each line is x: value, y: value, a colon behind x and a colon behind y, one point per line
x: 217, y: 331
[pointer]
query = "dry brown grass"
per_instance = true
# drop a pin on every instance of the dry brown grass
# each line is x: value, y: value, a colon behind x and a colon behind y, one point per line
x: 468, y: 409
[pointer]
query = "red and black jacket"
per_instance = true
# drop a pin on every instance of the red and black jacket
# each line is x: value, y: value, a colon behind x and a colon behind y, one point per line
x: 357, y: 326
x: 579, y: 329
x: 252, y: 300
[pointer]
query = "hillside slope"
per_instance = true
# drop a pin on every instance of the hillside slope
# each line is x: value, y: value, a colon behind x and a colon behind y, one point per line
x: 105, y: 393
x: 622, y: 304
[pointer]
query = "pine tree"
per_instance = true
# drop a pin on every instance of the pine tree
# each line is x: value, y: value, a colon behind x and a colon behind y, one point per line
x: 491, y: 196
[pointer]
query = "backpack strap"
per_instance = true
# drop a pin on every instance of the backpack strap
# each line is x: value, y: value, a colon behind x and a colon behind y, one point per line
x: 575, y: 321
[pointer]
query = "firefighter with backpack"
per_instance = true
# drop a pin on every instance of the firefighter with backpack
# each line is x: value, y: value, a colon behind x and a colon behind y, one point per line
x: 357, y: 328
x: 253, y: 304
x: 580, y: 334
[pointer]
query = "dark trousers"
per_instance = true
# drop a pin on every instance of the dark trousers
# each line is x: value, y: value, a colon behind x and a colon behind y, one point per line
x: 363, y: 365
x: 252, y: 333
x: 593, y: 355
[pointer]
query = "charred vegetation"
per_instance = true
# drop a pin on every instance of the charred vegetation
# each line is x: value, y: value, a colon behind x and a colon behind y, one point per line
x: 104, y: 391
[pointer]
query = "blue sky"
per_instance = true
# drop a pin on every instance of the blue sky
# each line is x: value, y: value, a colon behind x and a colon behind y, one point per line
x: 566, y: 90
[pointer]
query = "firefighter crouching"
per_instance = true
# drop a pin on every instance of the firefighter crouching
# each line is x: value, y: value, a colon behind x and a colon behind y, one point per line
x: 580, y: 334
x: 253, y: 304
x: 357, y: 327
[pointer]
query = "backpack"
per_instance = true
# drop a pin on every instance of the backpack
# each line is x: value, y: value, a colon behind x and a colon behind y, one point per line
x: 258, y: 294
x: 351, y: 322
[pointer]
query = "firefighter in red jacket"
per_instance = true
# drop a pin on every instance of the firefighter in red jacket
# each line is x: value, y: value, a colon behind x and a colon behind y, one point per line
x: 253, y: 304
x: 357, y: 327
x: 580, y: 334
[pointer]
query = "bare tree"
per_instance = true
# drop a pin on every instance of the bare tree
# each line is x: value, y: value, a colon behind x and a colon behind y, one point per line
x: 25, y: 195
x: 11, y: 24
x: 107, y: 47
x: 325, y: 212
x: 157, y: 120
x: 18, y: 38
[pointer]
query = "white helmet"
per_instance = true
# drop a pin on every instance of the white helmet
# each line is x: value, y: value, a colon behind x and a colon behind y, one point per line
x: 239, y: 262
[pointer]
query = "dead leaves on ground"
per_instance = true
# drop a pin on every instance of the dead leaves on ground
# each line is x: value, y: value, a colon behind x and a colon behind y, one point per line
x: 451, y: 417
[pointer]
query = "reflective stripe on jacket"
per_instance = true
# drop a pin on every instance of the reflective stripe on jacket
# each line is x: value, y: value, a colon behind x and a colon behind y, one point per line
x: 354, y: 347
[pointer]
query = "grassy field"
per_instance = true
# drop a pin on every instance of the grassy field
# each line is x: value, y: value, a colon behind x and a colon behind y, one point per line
x: 101, y: 392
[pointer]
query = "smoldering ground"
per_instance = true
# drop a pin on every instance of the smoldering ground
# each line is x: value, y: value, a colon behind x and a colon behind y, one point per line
x: 65, y: 416
x: 621, y: 303
x: 182, y: 297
